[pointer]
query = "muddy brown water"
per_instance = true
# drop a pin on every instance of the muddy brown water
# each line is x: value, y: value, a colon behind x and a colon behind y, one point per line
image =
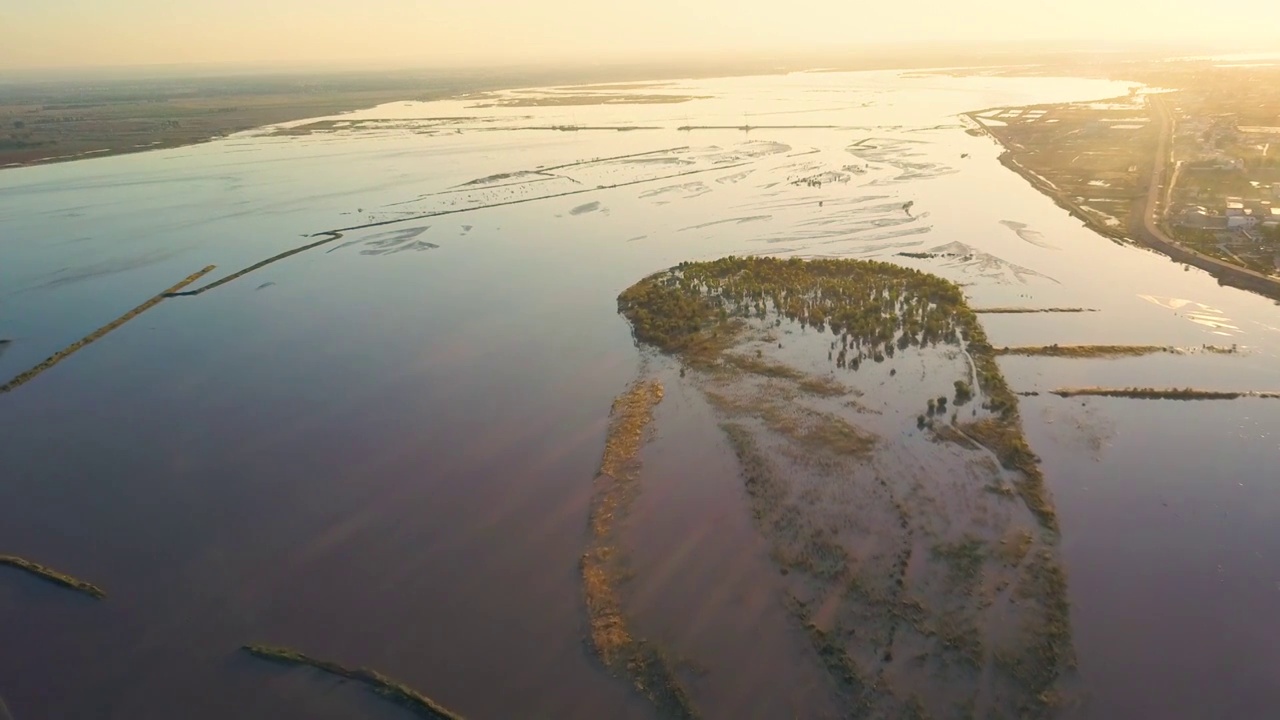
x: 385, y: 460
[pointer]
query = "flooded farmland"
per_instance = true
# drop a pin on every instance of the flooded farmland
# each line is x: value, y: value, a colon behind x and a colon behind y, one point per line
x: 376, y: 431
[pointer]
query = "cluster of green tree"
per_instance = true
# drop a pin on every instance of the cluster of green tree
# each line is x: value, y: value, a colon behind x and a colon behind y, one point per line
x: 938, y: 406
x: 872, y: 308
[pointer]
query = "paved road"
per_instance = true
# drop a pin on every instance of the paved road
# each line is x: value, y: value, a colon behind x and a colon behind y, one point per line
x: 1165, y: 118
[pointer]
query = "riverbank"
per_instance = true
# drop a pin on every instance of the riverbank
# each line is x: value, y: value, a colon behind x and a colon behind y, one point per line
x: 48, y: 128
x: 1138, y: 225
x: 52, y: 119
x: 1226, y: 273
x: 1019, y: 133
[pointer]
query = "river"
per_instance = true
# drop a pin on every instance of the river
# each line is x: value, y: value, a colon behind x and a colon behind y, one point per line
x: 380, y: 450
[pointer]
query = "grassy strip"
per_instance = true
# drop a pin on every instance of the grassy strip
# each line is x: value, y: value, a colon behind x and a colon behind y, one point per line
x: 1024, y: 310
x: 823, y: 387
x: 381, y: 684
x: 53, y: 576
x: 1162, y: 393
x: 1084, y: 351
x: 1007, y: 442
x: 328, y: 238
x: 963, y: 560
x: 619, y: 650
x: 1048, y: 642
x: 945, y: 432
x: 1049, y: 646
x: 767, y: 495
x: 843, y: 670
x: 1002, y: 434
x: 536, y: 198
x: 816, y: 431
x: 99, y: 333
x: 803, y: 549
x: 764, y: 368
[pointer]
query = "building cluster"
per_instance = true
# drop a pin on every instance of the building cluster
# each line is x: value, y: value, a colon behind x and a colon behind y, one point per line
x: 1226, y: 184
x: 1225, y: 194
x: 1239, y: 214
x: 1206, y: 142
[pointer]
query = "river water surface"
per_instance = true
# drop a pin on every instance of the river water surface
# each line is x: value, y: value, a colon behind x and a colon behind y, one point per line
x: 380, y: 450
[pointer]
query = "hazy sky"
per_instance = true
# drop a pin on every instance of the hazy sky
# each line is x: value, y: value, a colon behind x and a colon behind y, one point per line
x: 44, y: 33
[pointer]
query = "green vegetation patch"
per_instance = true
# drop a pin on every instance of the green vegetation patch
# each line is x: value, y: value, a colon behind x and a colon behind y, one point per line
x: 1008, y: 443
x: 964, y: 560
x: 761, y: 367
x: 101, y: 332
x: 1163, y: 393
x: 1014, y: 546
x: 1085, y: 351
x: 815, y: 431
x: 774, y: 515
x: 945, y: 432
x: 1026, y: 310
x: 53, y: 576
x: 869, y: 306
x: 612, y: 637
x: 1046, y: 643
x: 397, y: 692
x: 823, y: 387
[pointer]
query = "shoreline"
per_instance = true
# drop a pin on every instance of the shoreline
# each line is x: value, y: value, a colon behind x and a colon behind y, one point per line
x: 1151, y: 234
x: 1226, y: 273
x: 29, y: 375
x: 188, y: 123
x: 1059, y: 199
x: 206, y: 117
x: 246, y: 116
x: 1138, y: 233
x: 1007, y: 159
